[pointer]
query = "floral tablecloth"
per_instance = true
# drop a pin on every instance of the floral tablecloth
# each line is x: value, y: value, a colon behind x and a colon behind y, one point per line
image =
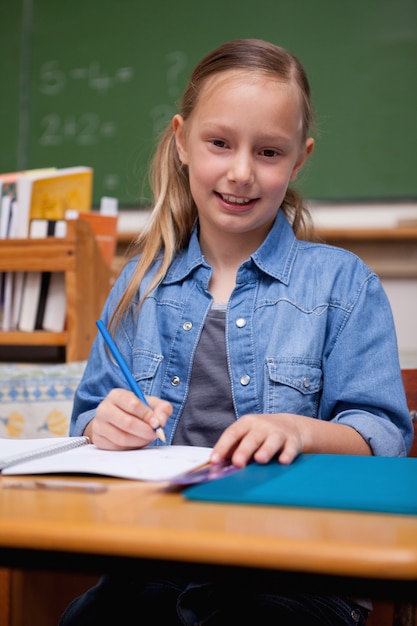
x: 36, y: 400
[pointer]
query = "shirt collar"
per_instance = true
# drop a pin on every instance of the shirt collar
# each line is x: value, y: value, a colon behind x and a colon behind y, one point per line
x: 274, y: 257
x: 277, y: 253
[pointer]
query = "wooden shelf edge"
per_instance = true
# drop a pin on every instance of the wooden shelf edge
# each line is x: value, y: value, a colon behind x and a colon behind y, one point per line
x: 43, y: 255
x: 36, y: 338
x: 368, y: 234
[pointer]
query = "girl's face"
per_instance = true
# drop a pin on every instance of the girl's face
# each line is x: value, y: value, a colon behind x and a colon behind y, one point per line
x: 243, y: 145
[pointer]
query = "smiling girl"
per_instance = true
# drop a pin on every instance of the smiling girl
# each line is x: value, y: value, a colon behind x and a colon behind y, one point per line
x: 244, y: 335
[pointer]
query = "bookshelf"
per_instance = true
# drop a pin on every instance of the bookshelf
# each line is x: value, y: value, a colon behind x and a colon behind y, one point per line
x: 87, y: 284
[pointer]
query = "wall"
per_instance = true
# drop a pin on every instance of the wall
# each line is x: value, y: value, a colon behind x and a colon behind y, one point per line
x: 93, y: 82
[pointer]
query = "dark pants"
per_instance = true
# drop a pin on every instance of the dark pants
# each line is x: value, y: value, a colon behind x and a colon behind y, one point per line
x: 127, y: 601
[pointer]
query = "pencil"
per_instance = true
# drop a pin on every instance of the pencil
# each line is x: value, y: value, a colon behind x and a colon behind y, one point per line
x: 127, y: 373
x: 57, y: 485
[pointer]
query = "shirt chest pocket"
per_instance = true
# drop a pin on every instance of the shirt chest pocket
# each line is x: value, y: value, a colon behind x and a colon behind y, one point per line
x: 293, y: 386
x: 146, y: 369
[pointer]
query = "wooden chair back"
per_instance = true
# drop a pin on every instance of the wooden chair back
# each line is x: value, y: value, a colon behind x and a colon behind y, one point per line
x: 410, y: 386
x: 400, y: 613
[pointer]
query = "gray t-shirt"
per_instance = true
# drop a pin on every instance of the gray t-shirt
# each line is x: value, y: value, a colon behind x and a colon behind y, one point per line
x: 209, y: 406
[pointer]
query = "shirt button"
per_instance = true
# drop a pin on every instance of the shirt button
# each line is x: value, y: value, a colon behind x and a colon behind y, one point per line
x: 240, y: 322
x: 306, y: 382
x: 187, y: 325
x: 245, y: 380
x: 175, y: 381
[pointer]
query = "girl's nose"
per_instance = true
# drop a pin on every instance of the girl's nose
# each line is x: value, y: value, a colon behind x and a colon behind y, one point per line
x: 241, y: 169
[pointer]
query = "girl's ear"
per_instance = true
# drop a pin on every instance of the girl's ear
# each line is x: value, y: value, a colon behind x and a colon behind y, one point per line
x: 308, y: 149
x: 178, y: 128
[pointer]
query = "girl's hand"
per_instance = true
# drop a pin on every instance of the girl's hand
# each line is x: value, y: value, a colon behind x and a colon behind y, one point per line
x: 123, y: 422
x: 261, y: 437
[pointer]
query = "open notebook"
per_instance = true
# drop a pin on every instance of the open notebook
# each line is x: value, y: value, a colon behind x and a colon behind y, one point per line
x: 76, y: 455
x: 326, y: 481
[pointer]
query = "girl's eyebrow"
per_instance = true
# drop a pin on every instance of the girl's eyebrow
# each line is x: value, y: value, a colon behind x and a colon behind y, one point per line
x: 216, y: 125
x: 219, y: 127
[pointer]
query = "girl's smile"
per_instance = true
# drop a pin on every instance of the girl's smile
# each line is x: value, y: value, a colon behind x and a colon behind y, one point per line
x: 235, y: 202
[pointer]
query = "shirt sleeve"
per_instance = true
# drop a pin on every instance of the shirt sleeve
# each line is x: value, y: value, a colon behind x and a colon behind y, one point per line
x: 100, y: 374
x: 366, y: 390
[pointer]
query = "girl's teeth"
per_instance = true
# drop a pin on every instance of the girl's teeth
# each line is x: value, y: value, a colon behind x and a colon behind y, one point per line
x: 234, y: 200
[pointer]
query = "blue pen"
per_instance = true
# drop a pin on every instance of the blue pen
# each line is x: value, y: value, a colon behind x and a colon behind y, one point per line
x: 127, y: 373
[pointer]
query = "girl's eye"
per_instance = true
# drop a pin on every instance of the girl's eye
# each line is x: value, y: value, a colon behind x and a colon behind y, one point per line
x: 269, y: 152
x: 219, y: 143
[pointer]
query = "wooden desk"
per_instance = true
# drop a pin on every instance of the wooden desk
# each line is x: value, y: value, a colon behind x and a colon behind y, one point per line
x: 134, y: 521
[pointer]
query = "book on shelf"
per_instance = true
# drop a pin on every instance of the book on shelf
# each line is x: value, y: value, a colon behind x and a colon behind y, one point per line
x: 8, y: 193
x: 49, y: 194
x: 10, y: 225
x: 12, y: 281
x: 7, y: 221
x: 6, y: 278
x: 76, y: 455
x: 7, y: 300
x: 36, y: 284
x: 44, y: 193
x: 54, y: 298
x: 32, y: 282
x: 7, y: 196
x: 17, y: 292
x: 13, y: 176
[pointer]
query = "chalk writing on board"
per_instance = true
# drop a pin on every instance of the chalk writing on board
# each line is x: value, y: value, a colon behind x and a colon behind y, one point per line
x: 85, y: 129
x: 111, y: 182
x: 177, y: 62
x: 53, y: 79
x: 161, y: 114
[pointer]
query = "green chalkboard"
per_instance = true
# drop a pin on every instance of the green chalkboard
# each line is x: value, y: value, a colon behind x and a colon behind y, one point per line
x: 92, y: 82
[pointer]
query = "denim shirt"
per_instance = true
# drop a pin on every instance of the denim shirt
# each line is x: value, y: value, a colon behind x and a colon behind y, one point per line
x: 309, y: 330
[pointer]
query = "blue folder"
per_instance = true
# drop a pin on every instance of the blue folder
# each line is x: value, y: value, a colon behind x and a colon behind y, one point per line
x: 325, y: 481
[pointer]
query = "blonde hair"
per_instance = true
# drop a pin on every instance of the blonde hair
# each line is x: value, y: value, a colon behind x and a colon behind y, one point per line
x: 174, y: 213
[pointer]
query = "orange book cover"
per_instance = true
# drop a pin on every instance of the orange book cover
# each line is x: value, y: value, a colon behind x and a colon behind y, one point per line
x: 104, y: 228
